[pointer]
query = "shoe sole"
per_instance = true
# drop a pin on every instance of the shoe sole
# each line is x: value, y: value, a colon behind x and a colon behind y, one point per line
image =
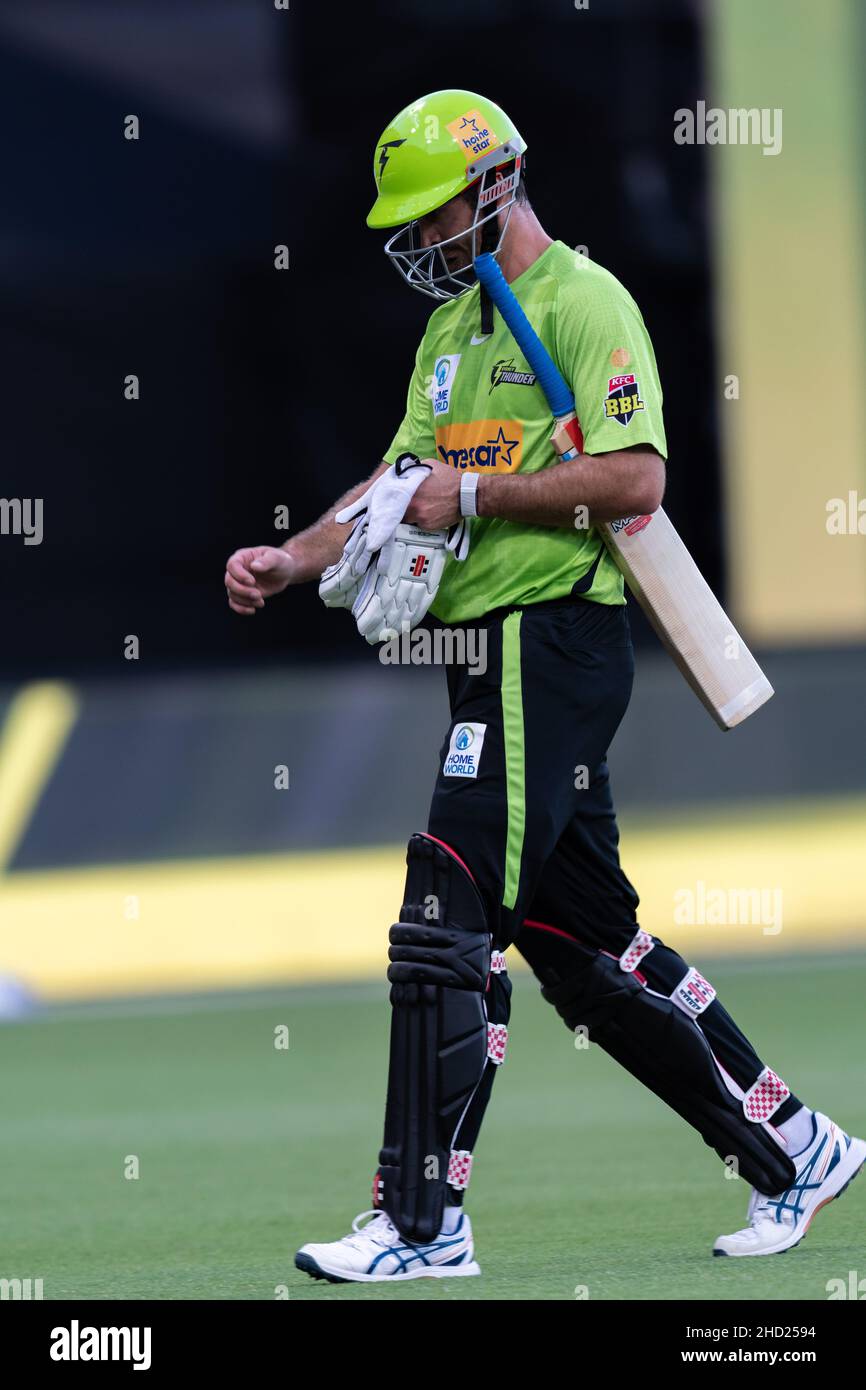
x: 308, y: 1265
x: 858, y: 1146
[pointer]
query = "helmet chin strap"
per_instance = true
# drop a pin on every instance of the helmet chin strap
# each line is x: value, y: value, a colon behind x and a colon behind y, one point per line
x: 489, y: 240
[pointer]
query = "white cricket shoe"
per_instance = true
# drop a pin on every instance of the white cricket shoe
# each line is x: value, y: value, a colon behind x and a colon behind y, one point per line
x: 378, y: 1253
x: 824, y: 1169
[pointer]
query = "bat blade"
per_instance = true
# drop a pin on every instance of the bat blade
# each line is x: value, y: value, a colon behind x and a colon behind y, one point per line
x: 682, y: 609
x: 687, y: 617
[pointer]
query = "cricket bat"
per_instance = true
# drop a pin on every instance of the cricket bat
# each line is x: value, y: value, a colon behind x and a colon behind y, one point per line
x: 659, y: 571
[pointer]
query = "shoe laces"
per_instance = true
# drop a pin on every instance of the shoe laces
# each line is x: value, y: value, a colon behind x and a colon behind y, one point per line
x: 381, y: 1229
x: 760, y: 1204
x: 763, y: 1208
x: 775, y: 1206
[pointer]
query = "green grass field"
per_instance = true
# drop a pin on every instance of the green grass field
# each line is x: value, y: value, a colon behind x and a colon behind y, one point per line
x: 582, y: 1179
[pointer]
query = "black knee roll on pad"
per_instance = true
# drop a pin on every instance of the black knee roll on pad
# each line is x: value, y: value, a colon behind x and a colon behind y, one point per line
x: 440, y: 962
x: 668, y: 1052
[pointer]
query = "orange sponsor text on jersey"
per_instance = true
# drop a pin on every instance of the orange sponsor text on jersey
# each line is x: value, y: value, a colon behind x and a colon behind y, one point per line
x: 482, y: 446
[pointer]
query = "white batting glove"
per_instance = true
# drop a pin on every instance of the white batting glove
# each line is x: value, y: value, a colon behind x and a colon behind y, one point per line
x: 385, y: 502
x: 339, y: 584
x: 458, y: 538
x: 400, y: 588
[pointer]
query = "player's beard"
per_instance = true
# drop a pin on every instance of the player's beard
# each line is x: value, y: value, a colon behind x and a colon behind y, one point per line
x: 427, y: 268
x: 459, y: 259
x: 444, y: 271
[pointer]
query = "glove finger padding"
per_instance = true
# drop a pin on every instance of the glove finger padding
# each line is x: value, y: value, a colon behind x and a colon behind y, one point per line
x: 339, y: 584
x: 399, y: 590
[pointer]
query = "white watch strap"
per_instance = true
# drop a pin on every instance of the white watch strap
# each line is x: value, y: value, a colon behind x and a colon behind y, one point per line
x: 468, y: 489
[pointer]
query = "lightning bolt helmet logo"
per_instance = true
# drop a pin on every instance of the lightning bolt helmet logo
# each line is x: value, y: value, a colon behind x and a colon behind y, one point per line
x: 384, y: 155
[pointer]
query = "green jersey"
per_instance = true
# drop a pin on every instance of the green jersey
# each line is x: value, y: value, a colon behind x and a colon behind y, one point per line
x: 474, y: 403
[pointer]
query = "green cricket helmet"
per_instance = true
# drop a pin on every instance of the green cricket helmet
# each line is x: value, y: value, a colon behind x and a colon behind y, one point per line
x: 434, y: 149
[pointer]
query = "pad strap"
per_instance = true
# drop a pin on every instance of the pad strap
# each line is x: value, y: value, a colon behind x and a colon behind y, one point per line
x: 497, y: 1041
x: 459, y: 1169
x: 693, y: 994
x: 638, y: 947
x: 765, y: 1096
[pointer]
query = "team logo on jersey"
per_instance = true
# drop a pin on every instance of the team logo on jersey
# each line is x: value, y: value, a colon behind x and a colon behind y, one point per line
x: 444, y: 372
x: 623, y: 399
x: 482, y: 446
x: 472, y: 134
x: 504, y: 373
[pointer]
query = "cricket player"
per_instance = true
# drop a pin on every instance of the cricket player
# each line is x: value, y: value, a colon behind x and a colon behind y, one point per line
x: 521, y: 843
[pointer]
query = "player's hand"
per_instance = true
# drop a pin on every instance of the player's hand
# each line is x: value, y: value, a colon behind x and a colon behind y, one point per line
x: 436, y: 504
x: 256, y: 573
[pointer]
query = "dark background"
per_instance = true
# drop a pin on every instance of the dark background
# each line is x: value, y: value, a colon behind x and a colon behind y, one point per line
x: 260, y: 387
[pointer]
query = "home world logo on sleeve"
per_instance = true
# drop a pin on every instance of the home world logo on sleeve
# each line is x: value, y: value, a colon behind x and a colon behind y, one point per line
x: 444, y: 372
x: 464, y: 750
x: 77, y: 1343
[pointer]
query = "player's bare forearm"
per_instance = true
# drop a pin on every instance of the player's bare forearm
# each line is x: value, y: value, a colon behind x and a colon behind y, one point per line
x: 626, y: 482
x: 257, y: 573
x: 322, y: 543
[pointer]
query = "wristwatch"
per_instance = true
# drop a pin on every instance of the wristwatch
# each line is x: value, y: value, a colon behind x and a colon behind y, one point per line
x: 468, y: 490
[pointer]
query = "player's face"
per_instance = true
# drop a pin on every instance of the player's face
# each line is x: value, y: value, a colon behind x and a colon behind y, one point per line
x: 451, y: 220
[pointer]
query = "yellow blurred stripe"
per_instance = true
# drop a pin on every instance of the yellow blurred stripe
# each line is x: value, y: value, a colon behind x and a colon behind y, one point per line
x: 325, y: 916
x: 200, y: 924
x: 808, y: 852
x: 790, y: 308
x: 33, y: 736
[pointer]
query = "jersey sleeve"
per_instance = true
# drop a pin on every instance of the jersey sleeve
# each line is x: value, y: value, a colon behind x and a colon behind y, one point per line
x: 416, y: 434
x: 606, y: 356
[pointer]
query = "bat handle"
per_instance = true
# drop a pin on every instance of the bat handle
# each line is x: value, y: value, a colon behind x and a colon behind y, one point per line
x: 567, y: 438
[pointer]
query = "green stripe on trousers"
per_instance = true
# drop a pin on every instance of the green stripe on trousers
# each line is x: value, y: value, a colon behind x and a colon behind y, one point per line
x: 515, y: 785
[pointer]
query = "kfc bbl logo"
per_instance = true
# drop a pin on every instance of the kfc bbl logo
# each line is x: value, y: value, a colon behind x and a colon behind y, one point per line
x: 623, y: 398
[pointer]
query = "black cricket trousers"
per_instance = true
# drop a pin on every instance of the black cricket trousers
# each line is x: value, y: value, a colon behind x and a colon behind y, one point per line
x: 523, y: 796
